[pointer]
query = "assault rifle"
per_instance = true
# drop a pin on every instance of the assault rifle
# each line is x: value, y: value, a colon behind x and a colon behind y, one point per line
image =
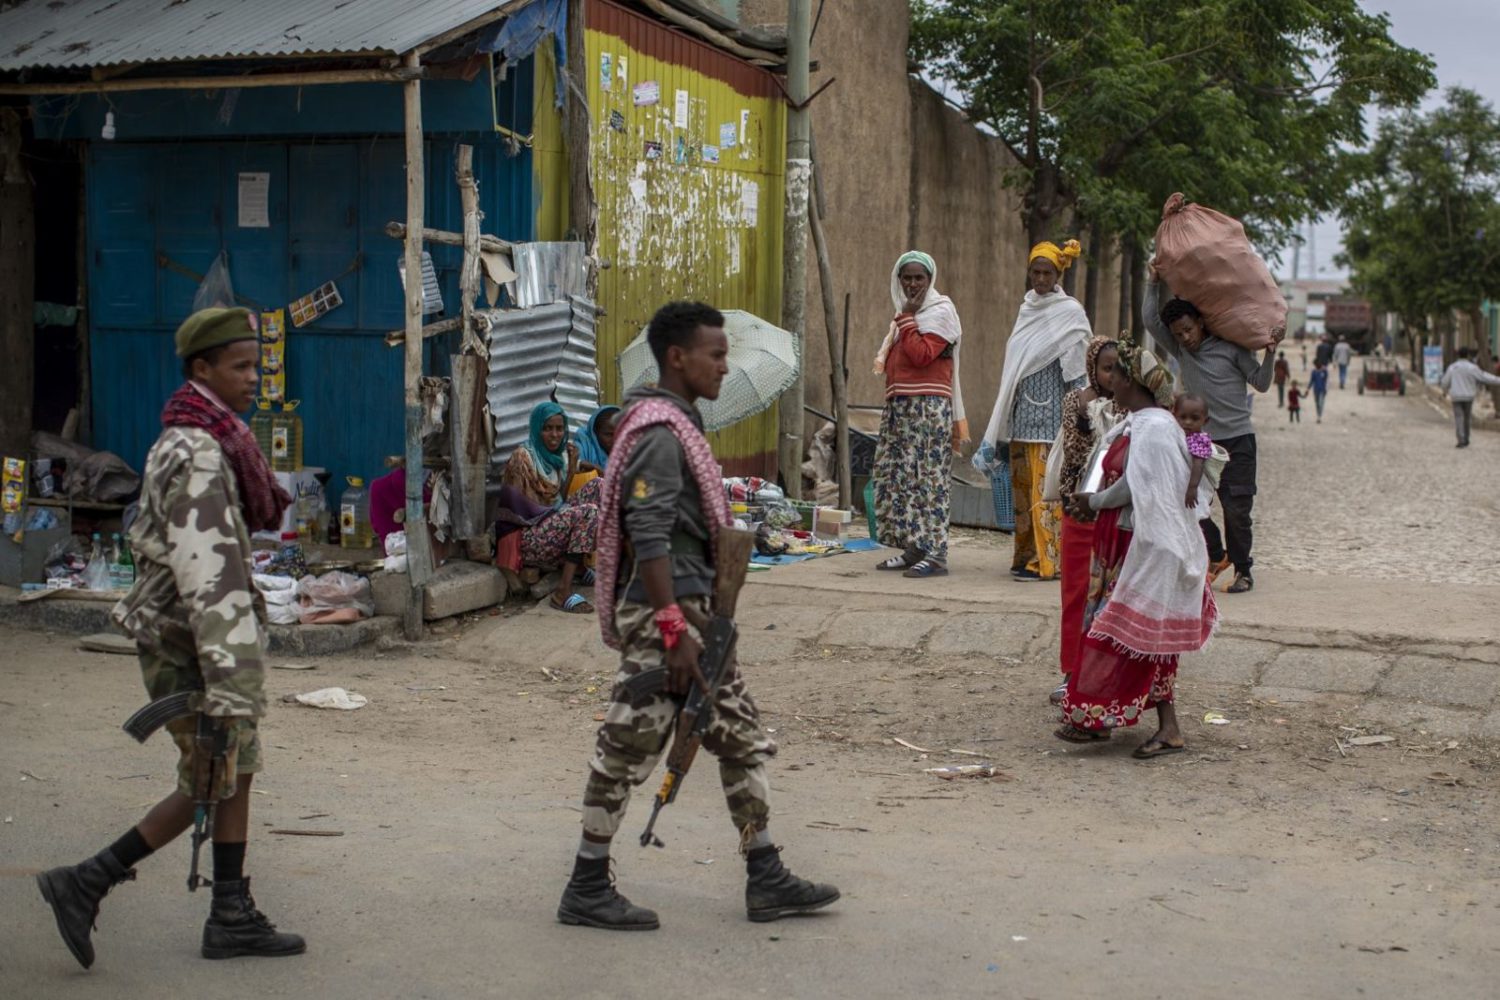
x: 210, y: 746
x: 731, y: 562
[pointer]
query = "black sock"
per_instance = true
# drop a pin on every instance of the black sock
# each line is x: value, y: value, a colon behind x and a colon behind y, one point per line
x: 131, y: 849
x: 229, y: 861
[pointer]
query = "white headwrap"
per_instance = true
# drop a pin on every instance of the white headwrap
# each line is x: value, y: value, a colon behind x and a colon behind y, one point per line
x: 935, y: 315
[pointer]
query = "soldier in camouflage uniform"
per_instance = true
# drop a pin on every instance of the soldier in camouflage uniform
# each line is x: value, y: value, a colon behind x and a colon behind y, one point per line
x: 662, y: 493
x: 198, y: 624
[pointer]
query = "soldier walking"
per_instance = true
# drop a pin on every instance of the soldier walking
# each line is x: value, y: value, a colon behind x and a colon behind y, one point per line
x: 197, y: 622
x: 662, y: 507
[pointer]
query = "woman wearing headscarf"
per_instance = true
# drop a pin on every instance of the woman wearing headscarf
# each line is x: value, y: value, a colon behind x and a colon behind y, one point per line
x: 1087, y: 413
x: 594, y: 440
x: 1044, y: 358
x: 556, y: 534
x: 1148, y: 600
x: 923, y: 422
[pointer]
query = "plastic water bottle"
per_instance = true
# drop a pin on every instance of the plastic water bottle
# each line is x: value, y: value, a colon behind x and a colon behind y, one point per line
x: 96, y: 575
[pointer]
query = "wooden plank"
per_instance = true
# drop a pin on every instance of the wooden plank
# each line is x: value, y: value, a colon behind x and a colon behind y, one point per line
x: 418, y: 548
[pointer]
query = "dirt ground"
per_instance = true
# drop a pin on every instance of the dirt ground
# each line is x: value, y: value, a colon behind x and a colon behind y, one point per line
x: 1275, y: 858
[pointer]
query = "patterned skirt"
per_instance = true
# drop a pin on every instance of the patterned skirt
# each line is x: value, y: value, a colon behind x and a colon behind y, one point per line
x: 569, y: 532
x: 913, y: 475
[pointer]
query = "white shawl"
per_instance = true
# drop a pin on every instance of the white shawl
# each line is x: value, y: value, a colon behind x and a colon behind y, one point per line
x: 936, y: 315
x: 1048, y: 328
x: 1161, y: 604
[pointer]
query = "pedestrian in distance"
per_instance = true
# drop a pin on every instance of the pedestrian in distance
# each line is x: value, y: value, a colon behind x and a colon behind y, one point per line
x: 1294, y: 403
x: 1087, y: 414
x: 1044, y: 360
x: 922, y: 425
x: 1342, y: 352
x: 1148, y: 600
x: 1324, y: 351
x: 1304, y: 357
x: 199, y: 628
x: 1220, y: 372
x: 1280, y: 373
x: 664, y: 511
x: 1317, y: 384
x: 1461, y: 382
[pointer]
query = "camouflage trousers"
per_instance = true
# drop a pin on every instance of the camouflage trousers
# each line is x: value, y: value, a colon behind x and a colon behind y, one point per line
x: 636, y: 731
x: 242, y: 755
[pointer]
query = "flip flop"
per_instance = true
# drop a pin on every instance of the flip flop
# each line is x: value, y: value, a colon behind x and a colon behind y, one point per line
x: 1145, y: 751
x: 574, y: 605
x: 1058, y: 693
x: 1072, y: 734
x: 586, y: 578
x: 924, y: 568
x: 894, y: 562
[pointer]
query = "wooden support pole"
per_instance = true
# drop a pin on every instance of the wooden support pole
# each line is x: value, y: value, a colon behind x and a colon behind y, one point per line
x: 418, y: 545
x: 488, y: 244
x: 468, y: 275
x: 794, y: 243
x: 468, y: 443
x: 835, y: 361
x: 304, y: 79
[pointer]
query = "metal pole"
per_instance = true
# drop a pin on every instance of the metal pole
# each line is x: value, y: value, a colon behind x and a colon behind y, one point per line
x: 418, y: 554
x: 794, y: 241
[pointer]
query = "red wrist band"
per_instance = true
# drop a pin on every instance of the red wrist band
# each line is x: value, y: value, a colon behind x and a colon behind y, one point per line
x: 672, y: 624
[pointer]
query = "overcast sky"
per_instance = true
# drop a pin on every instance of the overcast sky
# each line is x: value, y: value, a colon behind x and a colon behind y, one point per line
x: 1463, y: 38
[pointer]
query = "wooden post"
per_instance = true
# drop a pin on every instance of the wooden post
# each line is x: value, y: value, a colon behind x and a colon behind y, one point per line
x: 17, y: 290
x: 581, y: 217
x: 418, y: 547
x: 467, y: 440
x: 794, y: 242
x: 835, y: 362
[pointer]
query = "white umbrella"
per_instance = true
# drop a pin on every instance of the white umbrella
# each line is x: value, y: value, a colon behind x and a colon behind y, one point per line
x: 762, y: 365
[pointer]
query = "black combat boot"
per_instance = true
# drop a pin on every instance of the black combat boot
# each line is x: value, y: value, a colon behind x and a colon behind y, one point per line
x: 74, y: 893
x: 773, y: 892
x: 590, y: 900
x: 236, y: 927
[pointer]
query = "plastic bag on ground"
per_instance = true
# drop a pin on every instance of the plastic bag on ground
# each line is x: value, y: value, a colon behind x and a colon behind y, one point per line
x: 321, y: 597
x: 280, y: 595
x: 1205, y: 258
x: 334, y: 697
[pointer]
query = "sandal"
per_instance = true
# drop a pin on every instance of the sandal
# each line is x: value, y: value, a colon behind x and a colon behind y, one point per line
x: 576, y: 604
x: 1058, y: 693
x: 895, y: 562
x: 1243, y: 584
x: 924, y: 568
x: 1072, y: 734
x: 586, y: 578
x: 1155, y: 747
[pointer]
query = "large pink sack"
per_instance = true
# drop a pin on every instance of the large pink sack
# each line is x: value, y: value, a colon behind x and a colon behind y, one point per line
x: 1205, y: 258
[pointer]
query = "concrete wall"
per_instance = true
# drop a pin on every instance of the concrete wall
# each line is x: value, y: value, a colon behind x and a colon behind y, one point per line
x: 902, y: 170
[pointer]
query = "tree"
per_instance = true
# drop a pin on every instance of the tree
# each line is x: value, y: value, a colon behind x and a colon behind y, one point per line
x: 1422, y: 218
x: 1108, y: 107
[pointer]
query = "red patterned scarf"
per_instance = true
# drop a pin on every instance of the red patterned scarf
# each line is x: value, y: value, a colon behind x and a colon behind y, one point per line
x: 261, y: 496
x: 638, y: 418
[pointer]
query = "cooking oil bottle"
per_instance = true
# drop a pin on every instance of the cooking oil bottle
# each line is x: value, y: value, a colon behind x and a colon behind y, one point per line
x: 279, y: 434
x: 355, y: 531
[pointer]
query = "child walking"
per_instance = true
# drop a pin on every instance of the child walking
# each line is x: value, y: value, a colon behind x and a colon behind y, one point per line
x: 1294, y: 403
x: 1318, y: 383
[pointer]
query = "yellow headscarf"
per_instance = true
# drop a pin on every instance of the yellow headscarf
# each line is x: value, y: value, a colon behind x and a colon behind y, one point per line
x: 1060, y: 256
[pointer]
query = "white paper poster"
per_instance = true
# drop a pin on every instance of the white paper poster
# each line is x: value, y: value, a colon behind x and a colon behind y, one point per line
x: 734, y: 253
x: 680, y: 119
x: 606, y: 70
x: 744, y: 127
x: 728, y: 135
x: 646, y: 93
x: 750, y: 203
x: 255, y: 201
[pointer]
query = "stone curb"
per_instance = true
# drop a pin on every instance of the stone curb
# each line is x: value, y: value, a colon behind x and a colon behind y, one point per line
x: 87, y: 617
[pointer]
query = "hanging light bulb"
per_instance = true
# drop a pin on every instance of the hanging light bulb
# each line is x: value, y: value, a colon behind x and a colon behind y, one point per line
x: 108, y: 131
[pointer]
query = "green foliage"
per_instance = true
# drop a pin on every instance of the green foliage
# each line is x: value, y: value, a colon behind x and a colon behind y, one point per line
x: 1422, y: 219
x: 1109, y: 106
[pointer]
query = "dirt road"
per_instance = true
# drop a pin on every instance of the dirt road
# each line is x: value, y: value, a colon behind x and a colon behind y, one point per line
x: 1266, y: 862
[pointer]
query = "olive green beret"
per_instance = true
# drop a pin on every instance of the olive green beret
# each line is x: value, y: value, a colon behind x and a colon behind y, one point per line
x: 209, y: 328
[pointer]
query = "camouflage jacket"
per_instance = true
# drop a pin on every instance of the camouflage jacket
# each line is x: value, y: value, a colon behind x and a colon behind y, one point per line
x: 194, y: 599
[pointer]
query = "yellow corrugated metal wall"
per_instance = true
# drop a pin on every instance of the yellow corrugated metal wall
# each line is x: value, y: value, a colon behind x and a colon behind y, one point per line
x: 683, y: 213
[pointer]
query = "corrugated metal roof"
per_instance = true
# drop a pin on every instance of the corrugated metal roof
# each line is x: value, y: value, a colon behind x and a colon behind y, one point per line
x: 86, y: 33
x: 535, y: 354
